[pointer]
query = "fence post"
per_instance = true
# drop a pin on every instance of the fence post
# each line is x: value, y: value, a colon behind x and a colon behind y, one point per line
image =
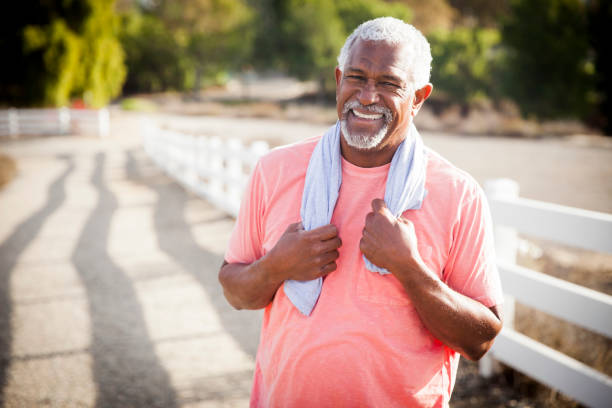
x: 13, y: 122
x: 235, y: 150
x: 64, y: 120
x: 103, y: 122
x: 215, y: 169
x: 258, y: 149
x: 506, y: 247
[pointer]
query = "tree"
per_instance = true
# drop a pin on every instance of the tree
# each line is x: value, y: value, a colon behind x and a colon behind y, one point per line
x: 313, y: 31
x: 549, y: 68
x: 600, y: 32
x: 154, y: 59
x: 61, y: 50
x: 216, y: 35
x: 431, y: 15
x: 464, y: 63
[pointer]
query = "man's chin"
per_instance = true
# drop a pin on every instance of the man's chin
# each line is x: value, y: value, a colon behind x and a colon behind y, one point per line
x: 362, y: 141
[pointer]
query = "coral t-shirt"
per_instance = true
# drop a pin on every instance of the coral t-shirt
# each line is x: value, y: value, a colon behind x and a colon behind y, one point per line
x: 364, y: 343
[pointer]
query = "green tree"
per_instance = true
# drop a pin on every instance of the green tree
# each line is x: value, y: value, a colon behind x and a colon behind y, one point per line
x: 154, y: 59
x: 549, y: 68
x: 354, y: 12
x: 313, y: 32
x: 464, y: 62
x: 102, y: 63
x: 600, y: 32
x: 216, y: 35
x: 61, y: 50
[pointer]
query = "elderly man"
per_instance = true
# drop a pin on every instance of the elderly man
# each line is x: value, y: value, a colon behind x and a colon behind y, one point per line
x: 368, y: 302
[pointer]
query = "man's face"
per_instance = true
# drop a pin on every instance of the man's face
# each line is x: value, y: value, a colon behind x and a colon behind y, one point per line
x: 374, y: 99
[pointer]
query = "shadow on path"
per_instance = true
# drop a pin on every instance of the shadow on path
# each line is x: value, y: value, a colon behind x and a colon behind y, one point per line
x: 11, y: 249
x: 177, y: 241
x: 126, y: 370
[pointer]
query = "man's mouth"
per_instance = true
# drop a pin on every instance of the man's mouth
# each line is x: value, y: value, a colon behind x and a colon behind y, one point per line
x: 368, y: 116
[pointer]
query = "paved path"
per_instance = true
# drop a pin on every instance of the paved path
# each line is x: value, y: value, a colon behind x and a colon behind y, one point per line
x: 108, y: 286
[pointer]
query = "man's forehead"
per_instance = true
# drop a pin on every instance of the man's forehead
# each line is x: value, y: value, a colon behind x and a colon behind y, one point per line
x: 378, y: 56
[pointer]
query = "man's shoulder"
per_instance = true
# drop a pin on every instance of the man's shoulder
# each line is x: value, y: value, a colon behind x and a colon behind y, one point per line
x: 444, y: 176
x: 292, y: 156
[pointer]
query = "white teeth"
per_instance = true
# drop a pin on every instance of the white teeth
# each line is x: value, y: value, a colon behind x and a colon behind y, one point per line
x: 365, y: 116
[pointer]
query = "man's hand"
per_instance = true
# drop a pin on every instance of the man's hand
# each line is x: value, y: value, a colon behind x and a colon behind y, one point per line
x: 304, y: 255
x: 388, y: 242
x: 460, y: 322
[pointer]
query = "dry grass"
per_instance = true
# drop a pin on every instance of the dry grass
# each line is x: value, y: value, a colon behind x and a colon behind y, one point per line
x: 585, y: 268
x: 8, y: 169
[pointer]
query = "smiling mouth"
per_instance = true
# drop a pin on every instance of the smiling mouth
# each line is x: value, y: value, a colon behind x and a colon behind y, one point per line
x: 373, y: 116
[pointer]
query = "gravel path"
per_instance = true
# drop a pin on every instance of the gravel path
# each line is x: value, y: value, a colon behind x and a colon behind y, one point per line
x: 108, y: 288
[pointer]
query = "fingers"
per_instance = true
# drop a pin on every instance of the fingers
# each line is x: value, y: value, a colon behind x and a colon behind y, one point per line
x: 379, y: 206
x: 296, y: 226
x: 330, y: 267
x: 323, y: 233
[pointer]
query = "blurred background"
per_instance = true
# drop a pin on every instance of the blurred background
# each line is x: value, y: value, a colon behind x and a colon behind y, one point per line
x: 109, y: 249
x: 522, y: 59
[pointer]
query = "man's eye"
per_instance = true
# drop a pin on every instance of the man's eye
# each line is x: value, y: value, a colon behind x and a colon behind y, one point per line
x: 391, y: 84
x: 358, y: 77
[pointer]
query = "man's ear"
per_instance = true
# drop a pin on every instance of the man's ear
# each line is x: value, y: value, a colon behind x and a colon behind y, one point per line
x: 338, y: 77
x: 420, y: 96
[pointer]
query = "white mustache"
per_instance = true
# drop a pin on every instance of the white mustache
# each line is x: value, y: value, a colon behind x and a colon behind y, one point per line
x: 371, y: 108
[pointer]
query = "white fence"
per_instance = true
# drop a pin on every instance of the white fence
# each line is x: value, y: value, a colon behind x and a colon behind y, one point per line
x: 576, y: 304
x: 62, y: 121
x: 217, y: 170
x: 211, y: 167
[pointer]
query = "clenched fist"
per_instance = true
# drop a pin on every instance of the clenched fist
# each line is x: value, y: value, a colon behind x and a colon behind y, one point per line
x: 389, y: 242
x: 305, y: 255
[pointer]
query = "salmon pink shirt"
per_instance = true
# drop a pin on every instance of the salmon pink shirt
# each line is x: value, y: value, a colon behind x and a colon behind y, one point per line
x: 364, y: 344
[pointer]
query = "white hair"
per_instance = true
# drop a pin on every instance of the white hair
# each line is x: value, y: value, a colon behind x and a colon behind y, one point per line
x: 395, y: 31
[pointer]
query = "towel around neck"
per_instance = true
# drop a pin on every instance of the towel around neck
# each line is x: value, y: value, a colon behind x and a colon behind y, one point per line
x: 405, y: 190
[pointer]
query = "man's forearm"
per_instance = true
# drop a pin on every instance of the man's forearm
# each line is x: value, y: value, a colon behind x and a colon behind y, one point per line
x: 248, y: 286
x: 460, y: 322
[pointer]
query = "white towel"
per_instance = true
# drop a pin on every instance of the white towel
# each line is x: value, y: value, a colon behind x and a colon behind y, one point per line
x: 405, y: 190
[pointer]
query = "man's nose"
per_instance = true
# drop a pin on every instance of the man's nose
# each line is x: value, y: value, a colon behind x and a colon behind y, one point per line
x: 368, y: 94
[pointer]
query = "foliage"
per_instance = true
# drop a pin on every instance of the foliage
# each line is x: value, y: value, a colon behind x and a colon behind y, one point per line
x: 600, y: 30
x: 316, y: 34
x: 354, y: 12
x: 138, y: 104
x: 480, y: 13
x: 102, y: 62
x: 215, y: 35
x: 549, y: 69
x: 61, y: 50
x: 313, y: 31
x: 431, y: 15
x: 464, y: 63
x: 155, y: 61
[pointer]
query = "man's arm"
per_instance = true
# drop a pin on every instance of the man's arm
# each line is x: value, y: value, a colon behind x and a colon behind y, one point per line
x: 460, y: 322
x: 298, y: 254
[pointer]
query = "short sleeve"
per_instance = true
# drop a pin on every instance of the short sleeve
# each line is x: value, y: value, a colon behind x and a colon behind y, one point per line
x: 245, y: 245
x: 471, y: 267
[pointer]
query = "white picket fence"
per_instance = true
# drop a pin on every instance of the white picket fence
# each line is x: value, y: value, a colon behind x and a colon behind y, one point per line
x: 218, y: 170
x: 62, y: 121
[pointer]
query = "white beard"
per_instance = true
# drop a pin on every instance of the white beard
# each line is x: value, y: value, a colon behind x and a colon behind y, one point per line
x: 364, y: 141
